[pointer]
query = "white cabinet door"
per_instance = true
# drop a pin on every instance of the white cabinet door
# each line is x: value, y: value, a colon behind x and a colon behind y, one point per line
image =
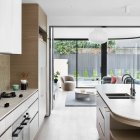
x: 10, y: 26
x: 5, y: 25
x: 7, y: 135
x: 33, y: 127
x: 16, y: 26
x: 42, y: 81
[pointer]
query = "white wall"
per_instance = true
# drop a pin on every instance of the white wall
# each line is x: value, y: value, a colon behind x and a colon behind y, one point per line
x: 61, y: 65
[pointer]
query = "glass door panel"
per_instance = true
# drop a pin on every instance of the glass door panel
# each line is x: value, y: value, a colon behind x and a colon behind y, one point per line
x: 65, y: 58
x: 123, y: 58
x: 88, y: 64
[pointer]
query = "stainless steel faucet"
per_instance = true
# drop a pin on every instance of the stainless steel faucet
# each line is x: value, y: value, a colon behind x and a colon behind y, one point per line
x: 132, y: 89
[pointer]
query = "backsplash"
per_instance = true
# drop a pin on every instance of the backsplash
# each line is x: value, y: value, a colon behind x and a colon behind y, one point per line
x: 4, y: 72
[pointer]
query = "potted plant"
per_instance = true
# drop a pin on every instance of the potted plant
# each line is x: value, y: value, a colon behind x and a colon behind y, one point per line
x: 56, y: 76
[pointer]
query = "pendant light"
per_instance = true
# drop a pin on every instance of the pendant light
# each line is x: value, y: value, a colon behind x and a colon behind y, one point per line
x: 98, y: 36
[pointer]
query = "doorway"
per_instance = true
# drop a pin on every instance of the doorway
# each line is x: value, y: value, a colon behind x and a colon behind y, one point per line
x: 89, y: 67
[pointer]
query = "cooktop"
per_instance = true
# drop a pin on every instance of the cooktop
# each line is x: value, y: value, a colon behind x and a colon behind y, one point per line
x: 8, y: 94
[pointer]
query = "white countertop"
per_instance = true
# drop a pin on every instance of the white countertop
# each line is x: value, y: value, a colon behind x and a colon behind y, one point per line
x: 14, y: 102
x: 126, y: 108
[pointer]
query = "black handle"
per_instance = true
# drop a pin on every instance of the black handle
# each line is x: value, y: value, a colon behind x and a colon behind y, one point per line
x: 25, y: 121
x: 17, y: 131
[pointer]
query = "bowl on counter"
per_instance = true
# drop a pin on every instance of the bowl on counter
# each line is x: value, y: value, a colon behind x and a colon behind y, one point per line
x: 15, y: 87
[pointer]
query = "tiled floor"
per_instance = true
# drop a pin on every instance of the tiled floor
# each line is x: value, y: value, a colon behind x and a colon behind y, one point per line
x: 69, y: 123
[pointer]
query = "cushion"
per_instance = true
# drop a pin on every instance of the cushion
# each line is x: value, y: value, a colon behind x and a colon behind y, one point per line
x: 113, y: 80
x: 119, y: 80
x: 106, y: 80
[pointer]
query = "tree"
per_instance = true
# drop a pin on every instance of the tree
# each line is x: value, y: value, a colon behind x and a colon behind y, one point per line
x: 65, y: 47
x: 111, y: 43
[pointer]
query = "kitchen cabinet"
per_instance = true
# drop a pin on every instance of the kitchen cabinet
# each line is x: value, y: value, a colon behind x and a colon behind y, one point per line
x: 117, y: 119
x: 103, y: 119
x: 7, y: 134
x: 33, y: 127
x: 17, y: 124
x: 33, y: 59
x: 10, y: 26
x: 42, y: 77
x: 26, y: 126
x: 34, y: 119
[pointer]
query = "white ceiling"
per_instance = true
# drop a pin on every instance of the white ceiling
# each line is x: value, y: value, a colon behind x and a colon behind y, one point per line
x: 89, y: 7
x: 84, y: 32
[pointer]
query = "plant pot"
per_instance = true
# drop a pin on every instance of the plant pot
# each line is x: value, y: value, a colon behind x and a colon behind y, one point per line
x: 55, y: 80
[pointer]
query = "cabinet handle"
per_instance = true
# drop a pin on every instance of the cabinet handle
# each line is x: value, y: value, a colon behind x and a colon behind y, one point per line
x: 25, y: 121
x: 17, y: 131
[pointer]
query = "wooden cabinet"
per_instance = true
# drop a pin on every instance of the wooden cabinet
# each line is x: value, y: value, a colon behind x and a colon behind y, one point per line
x: 34, y: 50
x: 10, y: 26
x: 7, y: 134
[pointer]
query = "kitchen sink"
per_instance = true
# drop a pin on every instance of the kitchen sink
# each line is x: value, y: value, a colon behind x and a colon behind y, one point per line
x: 119, y: 96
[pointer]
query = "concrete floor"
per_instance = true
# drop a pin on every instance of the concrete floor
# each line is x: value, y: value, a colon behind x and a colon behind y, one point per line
x: 69, y: 123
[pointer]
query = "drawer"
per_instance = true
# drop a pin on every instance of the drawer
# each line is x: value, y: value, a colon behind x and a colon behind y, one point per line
x: 101, y: 104
x: 34, y: 127
x: 32, y: 99
x: 15, y: 114
x: 33, y: 109
x: 101, y: 135
x: 2, y: 126
x: 7, y: 135
x: 101, y: 121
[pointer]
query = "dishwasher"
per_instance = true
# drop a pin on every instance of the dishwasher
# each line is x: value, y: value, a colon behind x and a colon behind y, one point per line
x: 21, y: 128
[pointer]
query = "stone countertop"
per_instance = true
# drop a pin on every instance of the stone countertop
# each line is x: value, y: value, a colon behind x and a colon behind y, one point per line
x: 126, y: 108
x: 14, y: 102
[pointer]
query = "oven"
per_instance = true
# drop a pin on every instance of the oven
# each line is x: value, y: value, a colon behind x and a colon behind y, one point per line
x: 21, y: 128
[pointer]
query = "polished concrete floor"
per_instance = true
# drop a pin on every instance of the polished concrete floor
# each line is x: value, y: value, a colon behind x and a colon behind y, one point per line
x: 69, y: 123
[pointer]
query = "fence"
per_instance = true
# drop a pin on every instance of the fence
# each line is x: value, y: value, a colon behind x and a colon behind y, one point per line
x: 89, y: 64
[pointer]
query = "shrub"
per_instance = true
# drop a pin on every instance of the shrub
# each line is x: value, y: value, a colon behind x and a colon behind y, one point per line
x: 75, y: 74
x: 111, y: 73
x: 85, y: 73
x: 94, y: 74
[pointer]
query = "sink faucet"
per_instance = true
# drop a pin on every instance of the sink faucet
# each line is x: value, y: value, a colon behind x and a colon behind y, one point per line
x: 132, y: 89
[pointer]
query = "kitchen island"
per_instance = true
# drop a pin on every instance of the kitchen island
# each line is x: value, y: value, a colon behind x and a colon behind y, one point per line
x: 118, y: 119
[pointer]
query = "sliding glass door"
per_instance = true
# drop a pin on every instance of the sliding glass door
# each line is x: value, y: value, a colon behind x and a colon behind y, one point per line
x: 88, y: 64
x: 78, y: 58
x: 65, y: 58
x: 123, y: 58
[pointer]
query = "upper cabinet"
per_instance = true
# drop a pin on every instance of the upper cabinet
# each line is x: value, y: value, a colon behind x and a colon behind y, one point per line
x: 10, y: 26
x: 42, y: 19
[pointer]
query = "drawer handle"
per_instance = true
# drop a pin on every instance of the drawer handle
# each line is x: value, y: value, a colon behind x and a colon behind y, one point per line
x: 25, y: 121
x: 17, y: 131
